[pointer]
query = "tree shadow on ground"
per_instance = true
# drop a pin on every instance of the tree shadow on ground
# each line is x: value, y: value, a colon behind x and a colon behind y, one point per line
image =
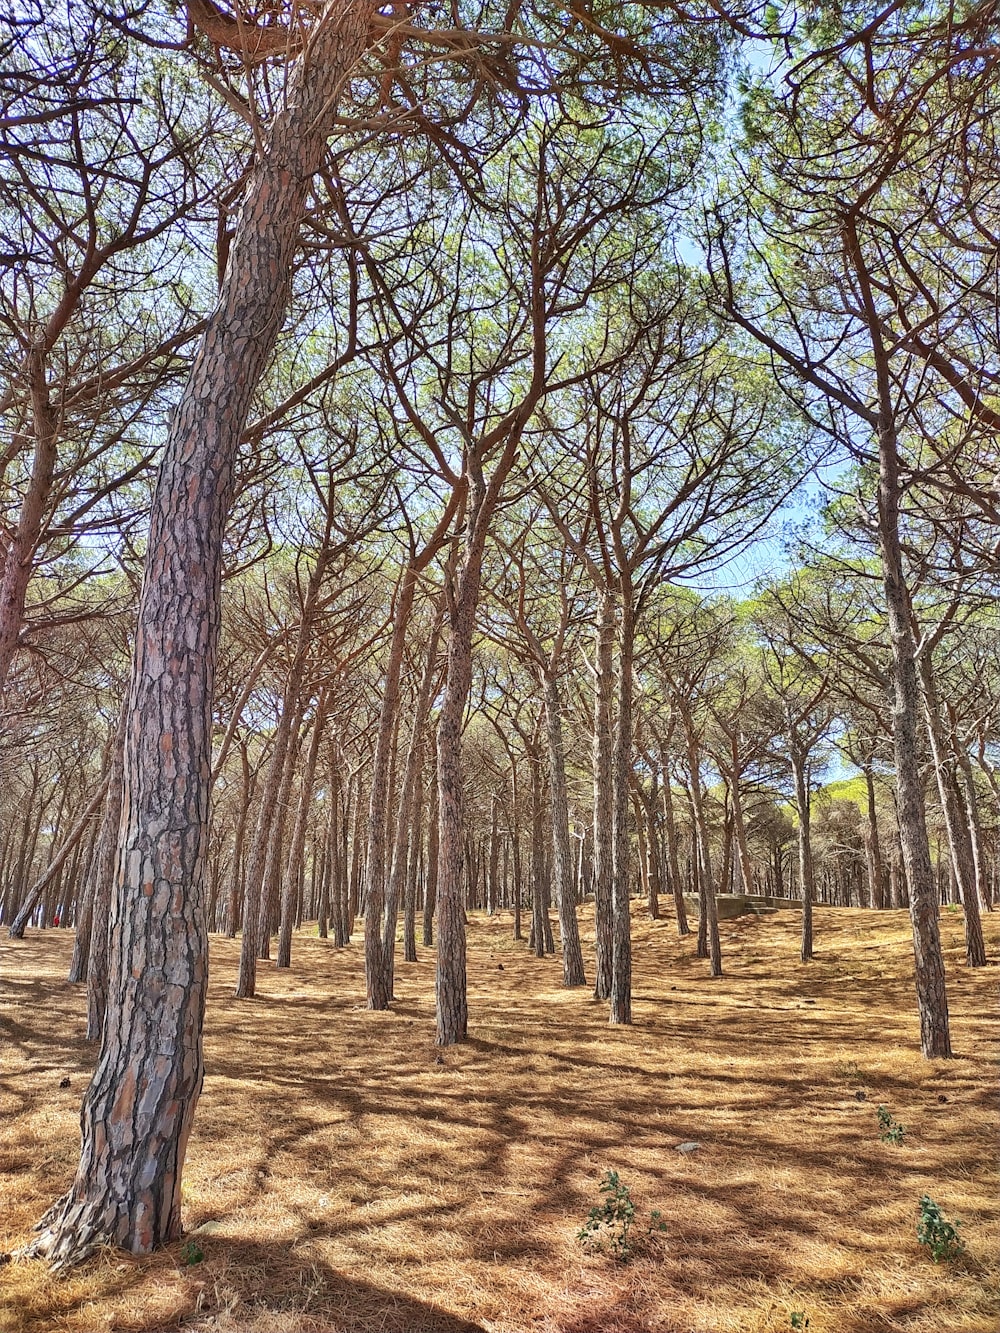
x: 209, y: 1283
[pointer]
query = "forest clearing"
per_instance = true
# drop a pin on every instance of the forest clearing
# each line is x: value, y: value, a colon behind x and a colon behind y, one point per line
x: 346, y: 1174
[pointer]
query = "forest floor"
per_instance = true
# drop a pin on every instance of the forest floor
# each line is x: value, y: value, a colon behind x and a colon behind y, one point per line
x: 345, y: 1175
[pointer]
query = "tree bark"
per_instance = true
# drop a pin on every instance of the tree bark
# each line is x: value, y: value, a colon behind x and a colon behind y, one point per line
x: 621, y: 959
x: 604, y: 799
x: 562, y: 860
x: 138, y: 1110
x: 807, y: 877
x: 290, y: 884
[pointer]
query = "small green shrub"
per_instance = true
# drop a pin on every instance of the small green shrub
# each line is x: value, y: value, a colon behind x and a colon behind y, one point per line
x: 937, y: 1233
x: 609, y: 1224
x: 191, y: 1252
x: 800, y: 1320
x: 889, y: 1130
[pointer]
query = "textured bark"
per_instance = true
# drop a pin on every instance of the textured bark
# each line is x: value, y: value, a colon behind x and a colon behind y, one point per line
x: 739, y: 821
x: 603, y: 800
x: 451, y: 994
x: 31, y: 899
x: 956, y: 824
x: 138, y: 1110
x: 404, y: 833
x: 261, y: 860
x: 20, y: 553
x: 709, y: 916
x: 621, y: 958
x: 433, y: 830
x: 294, y: 864
x: 807, y: 876
x: 932, y: 998
x: 378, y: 972
x: 873, y: 846
x: 562, y: 859
x: 536, y: 939
x: 673, y: 860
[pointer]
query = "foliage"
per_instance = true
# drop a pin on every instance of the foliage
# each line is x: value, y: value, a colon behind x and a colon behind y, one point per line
x: 937, y: 1233
x: 609, y: 1224
x: 889, y: 1130
x: 191, y: 1253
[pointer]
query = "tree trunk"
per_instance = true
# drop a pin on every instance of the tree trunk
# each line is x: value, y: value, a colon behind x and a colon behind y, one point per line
x: 16, y: 931
x: 703, y: 860
x: 433, y: 830
x: 807, y: 878
x: 138, y: 1110
x: 604, y: 800
x: 670, y: 827
x: 955, y: 820
x: 562, y: 860
x: 621, y: 964
x: 932, y: 998
x: 291, y: 880
x: 451, y: 995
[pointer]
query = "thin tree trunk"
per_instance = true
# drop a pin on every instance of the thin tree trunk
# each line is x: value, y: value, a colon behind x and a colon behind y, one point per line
x: 562, y: 861
x: 807, y: 878
x: 290, y: 885
x: 604, y: 800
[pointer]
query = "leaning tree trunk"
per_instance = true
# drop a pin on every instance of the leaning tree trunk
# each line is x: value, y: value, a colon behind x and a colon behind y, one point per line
x: 932, y: 997
x: 138, y: 1110
x: 562, y: 859
x: 31, y: 900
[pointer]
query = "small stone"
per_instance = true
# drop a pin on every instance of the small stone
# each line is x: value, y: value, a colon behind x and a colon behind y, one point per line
x: 64, y: 1083
x: 500, y: 967
x: 687, y: 1148
x: 211, y: 1228
x: 942, y: 1097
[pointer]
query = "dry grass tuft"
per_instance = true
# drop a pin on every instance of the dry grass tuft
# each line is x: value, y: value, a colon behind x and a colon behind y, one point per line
x: 345, y: 1175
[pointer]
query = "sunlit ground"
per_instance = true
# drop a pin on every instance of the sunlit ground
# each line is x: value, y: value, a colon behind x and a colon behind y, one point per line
x: 346, y: 1175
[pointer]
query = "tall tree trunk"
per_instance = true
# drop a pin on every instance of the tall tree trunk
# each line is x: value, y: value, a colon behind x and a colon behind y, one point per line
x: 807, y: 878
x: 604, y: 799
x: 621, y: 958
x: 378, y: 978
x: 451, y: 993
x: 873, y: 845
x: 138, y: 1110
x: 932, y: 997
x: 955, y: 819
x: 703, y: 858
x: 673, y: 860
x: 16, y: 931
x: 562, y: 860
x: 261, y: 861
x: 407, y: 802
x: 20, y: 553
x: 433, y: 831
x: 294, y: 864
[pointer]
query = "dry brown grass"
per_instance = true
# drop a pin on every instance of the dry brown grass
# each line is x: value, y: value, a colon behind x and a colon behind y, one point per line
x: 355, y: 1178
